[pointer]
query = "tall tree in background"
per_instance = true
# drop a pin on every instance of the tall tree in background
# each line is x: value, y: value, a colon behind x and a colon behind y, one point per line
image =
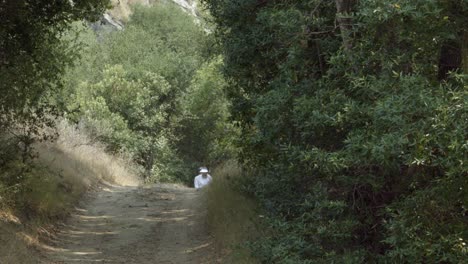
x: 344, y: 9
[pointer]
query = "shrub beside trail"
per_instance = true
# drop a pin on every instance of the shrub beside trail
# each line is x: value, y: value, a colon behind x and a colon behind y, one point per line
x: 233, y: 218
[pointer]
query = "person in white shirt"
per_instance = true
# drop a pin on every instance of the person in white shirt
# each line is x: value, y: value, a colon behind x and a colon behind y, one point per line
x: 203, y: 179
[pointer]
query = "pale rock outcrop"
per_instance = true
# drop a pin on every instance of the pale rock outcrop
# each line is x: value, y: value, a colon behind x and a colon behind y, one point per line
x: 115, y: 18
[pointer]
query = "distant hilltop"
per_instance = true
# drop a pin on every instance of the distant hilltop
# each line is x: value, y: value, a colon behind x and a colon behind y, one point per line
x: 115, y: 18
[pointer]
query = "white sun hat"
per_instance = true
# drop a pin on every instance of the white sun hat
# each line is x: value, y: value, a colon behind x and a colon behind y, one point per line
x: 203, y: 170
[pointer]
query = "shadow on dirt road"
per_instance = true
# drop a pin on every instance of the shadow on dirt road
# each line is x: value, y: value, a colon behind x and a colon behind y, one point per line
x: 156, y: 224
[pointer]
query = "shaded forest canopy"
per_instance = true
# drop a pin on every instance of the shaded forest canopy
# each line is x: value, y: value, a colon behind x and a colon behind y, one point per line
x: 354, y: 123
x: 348, y: 117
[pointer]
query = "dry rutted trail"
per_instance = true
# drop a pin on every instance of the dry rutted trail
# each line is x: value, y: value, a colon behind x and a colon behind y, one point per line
x: 158, y: 224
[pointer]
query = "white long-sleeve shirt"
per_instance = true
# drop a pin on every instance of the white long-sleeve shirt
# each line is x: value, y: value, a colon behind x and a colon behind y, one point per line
x: 200, y: 182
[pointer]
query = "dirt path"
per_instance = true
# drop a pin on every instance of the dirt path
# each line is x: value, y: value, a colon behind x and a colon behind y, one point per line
x: 159, y: 224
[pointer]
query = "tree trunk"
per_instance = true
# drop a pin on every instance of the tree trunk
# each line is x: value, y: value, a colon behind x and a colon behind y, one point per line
x: 149, y: 162
x: 465, y: 52
x: 345, y: 21
x: 451, y: 58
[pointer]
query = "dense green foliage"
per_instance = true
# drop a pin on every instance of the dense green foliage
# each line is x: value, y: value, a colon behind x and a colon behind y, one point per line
x: 206, y: 134
x: 154, y: 91
x: 354, y: 122
x: 33, y: 58
x: 33, y: 54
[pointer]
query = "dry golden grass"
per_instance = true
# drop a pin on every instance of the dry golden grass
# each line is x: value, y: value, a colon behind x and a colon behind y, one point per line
x: 232, y: 217
x: 64, y: 171
x: 78, y: 158
x: 68, y: 168
x: 13, y: 248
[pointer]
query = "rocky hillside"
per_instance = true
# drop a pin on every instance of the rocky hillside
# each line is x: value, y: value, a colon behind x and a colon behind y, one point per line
x: 115, y: 18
